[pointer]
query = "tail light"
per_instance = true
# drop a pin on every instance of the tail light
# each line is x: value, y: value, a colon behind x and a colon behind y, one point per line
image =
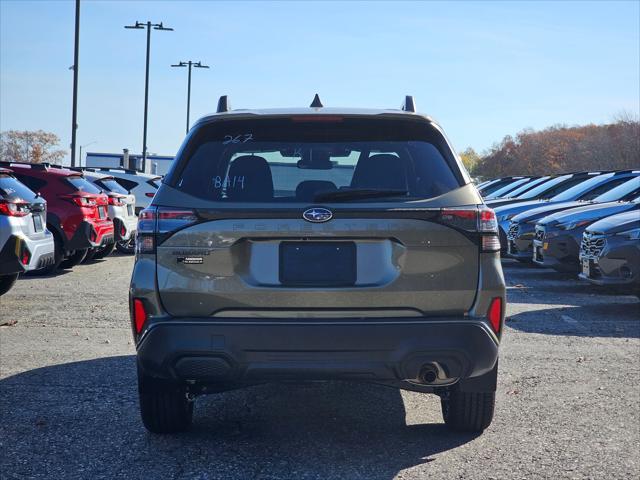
x: 149, y: 194
x: 139, y: 315
x: 482, y: 220
x: 18, y: 208
x: 494, y: 314
x: 155, y: 224
x: 80, y: 200
x: 116, y: 200
x: 25, y: 256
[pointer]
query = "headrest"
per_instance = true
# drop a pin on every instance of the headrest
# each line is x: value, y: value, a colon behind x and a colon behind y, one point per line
x: 308, y: 189
x: 381, y: 171
x: 249, y: 180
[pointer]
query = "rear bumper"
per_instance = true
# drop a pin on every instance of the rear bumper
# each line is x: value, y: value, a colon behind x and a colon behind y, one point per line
x: 39, y: 253
x: 91, y: 235
x: 124, y: 228
x: 244, y: 351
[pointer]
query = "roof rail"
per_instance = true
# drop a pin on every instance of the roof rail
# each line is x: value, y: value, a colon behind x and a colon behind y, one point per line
x: 223, y: 104
x: 125, y: 170
x: 629, y: 170
x: 316, y: 102
x: 35, y: 166
x: 409, y: 104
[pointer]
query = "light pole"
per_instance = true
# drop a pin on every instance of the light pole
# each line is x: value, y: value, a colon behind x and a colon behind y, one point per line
x: 81, y: 147
x: 74, y: 108
x: 195, y: 65
x: 148, y: 26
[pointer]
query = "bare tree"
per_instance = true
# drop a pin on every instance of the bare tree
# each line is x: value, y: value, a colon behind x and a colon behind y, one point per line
x: 30, y: 146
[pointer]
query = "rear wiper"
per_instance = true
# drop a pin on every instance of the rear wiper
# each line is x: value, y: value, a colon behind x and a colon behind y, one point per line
x: 361, y: 193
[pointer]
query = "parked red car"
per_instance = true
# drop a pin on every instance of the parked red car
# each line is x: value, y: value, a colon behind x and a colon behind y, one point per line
x: 76, y: 211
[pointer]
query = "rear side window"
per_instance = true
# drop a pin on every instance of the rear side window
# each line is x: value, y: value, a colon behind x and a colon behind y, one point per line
x: 154, y: 182
x: 10, y: 188
x: 296, y: 160
x: 83, y: 185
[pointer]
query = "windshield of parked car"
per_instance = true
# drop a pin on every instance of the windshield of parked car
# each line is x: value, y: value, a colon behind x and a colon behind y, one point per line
x: 625, y: 191
x: 543, y: 187
x: 285, y: 160
x: 575, y: 191
x: 527, y: 186
x: 508, y: 188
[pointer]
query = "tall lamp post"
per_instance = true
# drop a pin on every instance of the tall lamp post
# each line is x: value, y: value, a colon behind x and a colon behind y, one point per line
x: 148, y: 26
x: 74, y: 108
x: 81, y: 147
x: 194, y: 65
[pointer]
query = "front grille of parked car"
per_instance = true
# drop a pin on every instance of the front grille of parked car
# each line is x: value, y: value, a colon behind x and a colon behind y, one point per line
x: 540, y: 233
x: 514, y: 230
x: 592, y: 244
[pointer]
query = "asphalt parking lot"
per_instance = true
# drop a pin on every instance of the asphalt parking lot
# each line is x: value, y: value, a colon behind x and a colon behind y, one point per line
x: 568, y: 397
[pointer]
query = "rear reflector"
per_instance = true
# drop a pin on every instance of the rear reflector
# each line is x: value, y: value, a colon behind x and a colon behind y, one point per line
x: 494, y: 314
x: 139, y: 314
x: 149, y: 194
x: 490, y: 243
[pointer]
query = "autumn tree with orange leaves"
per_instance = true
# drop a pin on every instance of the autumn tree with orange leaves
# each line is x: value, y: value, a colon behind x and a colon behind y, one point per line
x: 561, y: 149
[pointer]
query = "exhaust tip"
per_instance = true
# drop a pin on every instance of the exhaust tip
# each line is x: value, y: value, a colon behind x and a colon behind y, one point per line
x: 428, y: 374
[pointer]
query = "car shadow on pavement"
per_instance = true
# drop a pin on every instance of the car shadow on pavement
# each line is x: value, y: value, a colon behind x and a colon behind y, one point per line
x: 603, y: 319
x: 81, y: 420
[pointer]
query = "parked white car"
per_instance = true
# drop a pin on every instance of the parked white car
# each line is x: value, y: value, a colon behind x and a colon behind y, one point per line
x: 142, y: 185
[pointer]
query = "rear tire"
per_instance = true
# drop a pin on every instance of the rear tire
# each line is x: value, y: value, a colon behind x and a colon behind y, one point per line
x: 6, y: 282
x: 468, y: 411
x: 126, y: 247
x: 163, y: 405
x: 74, y: 259
x: 91, y: 254
x: 104, y: 251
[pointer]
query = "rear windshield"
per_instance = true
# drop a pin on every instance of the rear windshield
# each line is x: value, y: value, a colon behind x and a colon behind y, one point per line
x: 83, y: 185
x: 155, y: 182
x: 10, y: 188
x: 289, y: 160
x: 110, y: 185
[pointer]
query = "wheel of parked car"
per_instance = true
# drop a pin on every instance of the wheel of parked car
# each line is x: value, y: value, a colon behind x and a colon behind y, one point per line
x: 468, y: 411
x: 58, y: 257
x: 127, y: 247
x: 74, y: 259
x: 104, y: 251
x: 163, y: 405
x: 6, y: 282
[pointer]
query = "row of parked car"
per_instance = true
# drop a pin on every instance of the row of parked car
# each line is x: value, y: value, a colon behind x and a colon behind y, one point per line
x: 582, y: 222
x: 53, y: 217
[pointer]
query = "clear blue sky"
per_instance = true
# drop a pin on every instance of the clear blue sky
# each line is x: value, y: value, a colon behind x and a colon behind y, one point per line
x: 483, y: 69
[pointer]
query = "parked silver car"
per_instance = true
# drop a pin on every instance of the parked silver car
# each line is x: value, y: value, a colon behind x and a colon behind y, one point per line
x: 25, y: 242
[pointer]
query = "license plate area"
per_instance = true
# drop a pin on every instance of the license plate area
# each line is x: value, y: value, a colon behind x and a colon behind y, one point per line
x: 130, y: 210
x: 37, y: 222
x: 586, y: 267
x: 317, y: 264
x: 101, y: 213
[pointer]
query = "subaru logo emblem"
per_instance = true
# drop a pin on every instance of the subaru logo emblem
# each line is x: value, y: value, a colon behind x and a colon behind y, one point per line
x: 317, y: 215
